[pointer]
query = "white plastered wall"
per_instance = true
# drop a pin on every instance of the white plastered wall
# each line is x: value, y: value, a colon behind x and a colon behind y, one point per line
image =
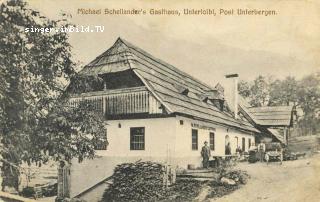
x: 183, y: 148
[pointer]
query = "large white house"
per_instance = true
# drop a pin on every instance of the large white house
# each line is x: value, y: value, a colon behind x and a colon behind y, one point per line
x: 154, y: 111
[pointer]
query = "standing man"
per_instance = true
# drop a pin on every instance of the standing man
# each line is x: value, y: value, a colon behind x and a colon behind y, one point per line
x: 261, y: 150
x: 205, y: 153
x: 228, y: 149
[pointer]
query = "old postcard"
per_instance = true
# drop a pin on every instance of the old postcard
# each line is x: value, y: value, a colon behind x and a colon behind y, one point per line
x: 136, y: 100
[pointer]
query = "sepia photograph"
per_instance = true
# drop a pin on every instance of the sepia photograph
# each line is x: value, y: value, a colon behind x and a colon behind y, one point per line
x: 159, y: 101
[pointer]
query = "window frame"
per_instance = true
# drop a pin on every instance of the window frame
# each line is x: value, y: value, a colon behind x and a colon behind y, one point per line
x: 243, y: 147
x: 212, y: 141
x: 194, y: 140
x: 140, y: 144
x: 237, y: 139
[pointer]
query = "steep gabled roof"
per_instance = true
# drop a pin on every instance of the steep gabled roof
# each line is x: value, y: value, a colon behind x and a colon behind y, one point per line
x: 165, y: 81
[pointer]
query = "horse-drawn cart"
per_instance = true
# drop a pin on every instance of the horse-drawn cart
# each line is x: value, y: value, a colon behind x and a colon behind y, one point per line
x: 274, y: 152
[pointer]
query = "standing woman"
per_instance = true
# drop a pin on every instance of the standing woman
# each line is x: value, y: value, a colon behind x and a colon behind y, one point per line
x: 261, y: 150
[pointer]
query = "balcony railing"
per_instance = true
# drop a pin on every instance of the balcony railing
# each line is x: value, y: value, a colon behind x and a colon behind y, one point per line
x: 128, y: 101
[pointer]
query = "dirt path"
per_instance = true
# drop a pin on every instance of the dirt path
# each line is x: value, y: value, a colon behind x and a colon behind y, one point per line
x: 294, y: 181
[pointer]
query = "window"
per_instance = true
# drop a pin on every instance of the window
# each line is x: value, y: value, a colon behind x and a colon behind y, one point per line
x: 194, y: 139
x: 101, y: 144
x: 211, y: 141
x: 137, y: 141
x: 237, y: 141
x: 249, y: 142
x: 243, y: 144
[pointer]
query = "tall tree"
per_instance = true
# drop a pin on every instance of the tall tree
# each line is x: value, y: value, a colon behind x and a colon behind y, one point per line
x: 308, y: 94
x: 283, y: 92
x: 36, y: 121
x: 260, y: 92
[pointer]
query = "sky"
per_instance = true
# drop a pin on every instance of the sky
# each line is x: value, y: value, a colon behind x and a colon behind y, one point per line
x: 207, y: 47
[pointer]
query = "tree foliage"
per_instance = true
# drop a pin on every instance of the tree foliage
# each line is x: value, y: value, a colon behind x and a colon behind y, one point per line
x: 308, y: 97
x: 304, y: 94
x: 258, y: 92
x: 283, y: 92
x: 36, y: 122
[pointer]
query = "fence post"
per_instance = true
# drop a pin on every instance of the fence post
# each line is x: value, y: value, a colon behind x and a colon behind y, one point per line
x: 63, y: 180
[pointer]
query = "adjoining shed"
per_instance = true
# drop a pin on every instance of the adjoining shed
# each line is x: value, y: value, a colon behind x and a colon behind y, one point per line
x: 273, y: 121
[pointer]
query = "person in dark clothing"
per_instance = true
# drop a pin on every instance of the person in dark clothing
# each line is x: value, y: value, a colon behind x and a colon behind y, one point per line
x: 261, y: 151
x: 228, y: 149
x: 205, y: 153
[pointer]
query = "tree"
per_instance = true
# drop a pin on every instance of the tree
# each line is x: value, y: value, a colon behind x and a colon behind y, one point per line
x: 244, y: 88
x: 283, y: 92
x: 36, y: 121
x: 260, y: 92
x: 308, y: 95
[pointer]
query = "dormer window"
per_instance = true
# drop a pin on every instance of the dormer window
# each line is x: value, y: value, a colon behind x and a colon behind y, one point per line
x: 215, y: 97
x: 219, y: 103
x: 182, y: 90
x: 205, y: 99
x: 185, y: 92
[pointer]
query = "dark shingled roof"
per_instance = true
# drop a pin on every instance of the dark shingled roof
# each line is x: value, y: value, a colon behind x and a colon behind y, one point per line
x: 166, y: 82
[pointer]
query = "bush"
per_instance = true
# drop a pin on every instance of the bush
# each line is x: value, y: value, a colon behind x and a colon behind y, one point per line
x: 225, y: 165
x: 28, y: 192
x: 238, y: 176
x: 184, y: 190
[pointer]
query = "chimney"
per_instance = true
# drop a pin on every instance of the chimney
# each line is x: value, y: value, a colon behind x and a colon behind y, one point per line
x: 235, y: 93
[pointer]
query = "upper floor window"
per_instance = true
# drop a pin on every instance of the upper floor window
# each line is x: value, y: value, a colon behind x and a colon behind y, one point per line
x: 194, y: 139
x: 137, y: 138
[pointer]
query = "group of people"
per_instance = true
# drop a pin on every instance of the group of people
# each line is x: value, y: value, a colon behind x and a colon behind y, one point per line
x: 206, y: 152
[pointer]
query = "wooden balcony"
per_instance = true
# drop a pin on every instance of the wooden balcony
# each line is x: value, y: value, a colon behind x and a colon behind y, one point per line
x: 121, y: 102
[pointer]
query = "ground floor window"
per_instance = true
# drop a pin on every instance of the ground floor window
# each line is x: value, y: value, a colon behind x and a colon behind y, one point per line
x: 137, y: 140
x: 237, y: 141
x: 194, y: 139
x: 211, y: 140
x: 243, y: 144
x: 249, y: 142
